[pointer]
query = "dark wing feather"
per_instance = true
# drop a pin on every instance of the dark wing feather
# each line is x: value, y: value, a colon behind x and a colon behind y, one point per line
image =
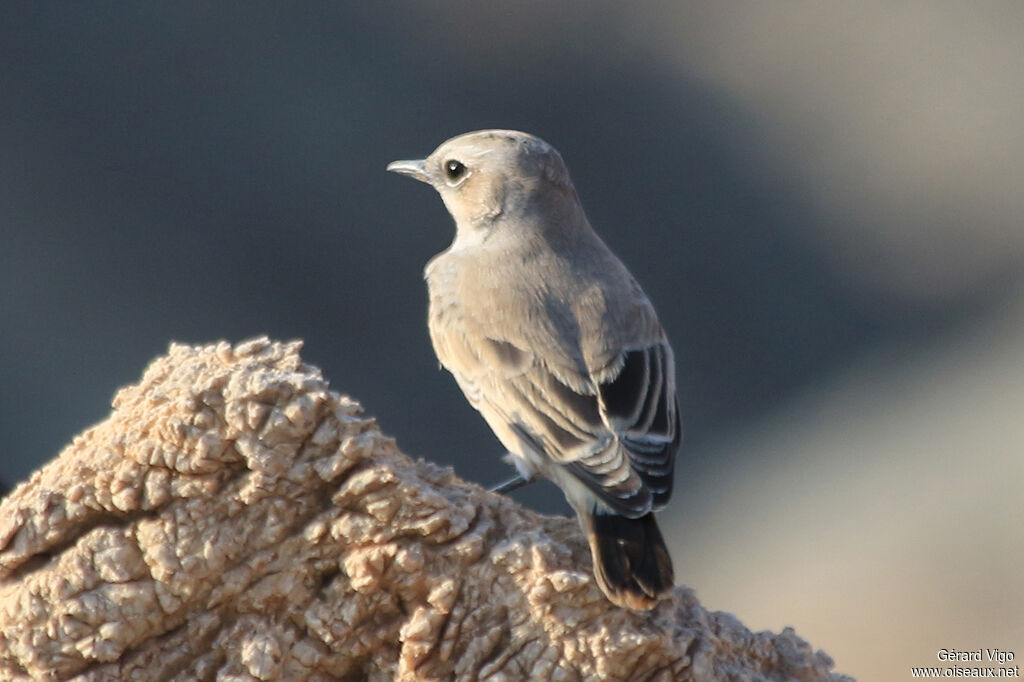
x: 646, y: 416
x: 640, y: 406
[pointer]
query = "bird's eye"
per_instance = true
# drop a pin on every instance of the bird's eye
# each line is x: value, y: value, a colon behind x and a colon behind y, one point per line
x: 454, y: 170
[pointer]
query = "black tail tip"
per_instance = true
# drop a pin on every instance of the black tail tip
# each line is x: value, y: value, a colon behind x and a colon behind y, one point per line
x: 631, y: 561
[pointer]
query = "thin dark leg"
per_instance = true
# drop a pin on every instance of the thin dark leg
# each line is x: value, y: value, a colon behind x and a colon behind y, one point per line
x: 515, y: 483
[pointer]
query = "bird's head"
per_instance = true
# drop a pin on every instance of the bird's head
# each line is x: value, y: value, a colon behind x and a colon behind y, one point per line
x: 491, y: 175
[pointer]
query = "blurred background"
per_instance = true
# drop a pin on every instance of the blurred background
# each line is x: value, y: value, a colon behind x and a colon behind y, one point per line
x: 822, y: 199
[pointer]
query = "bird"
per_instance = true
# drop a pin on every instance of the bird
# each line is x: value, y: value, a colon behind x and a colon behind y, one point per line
x: 553, y: 341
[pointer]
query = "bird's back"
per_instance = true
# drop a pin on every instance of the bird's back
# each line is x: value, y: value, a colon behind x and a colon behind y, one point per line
x: 578, y: 314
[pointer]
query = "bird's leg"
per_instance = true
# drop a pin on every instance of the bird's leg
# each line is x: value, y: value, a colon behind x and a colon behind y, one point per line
x: 514, y: 483
x: 525, y: 474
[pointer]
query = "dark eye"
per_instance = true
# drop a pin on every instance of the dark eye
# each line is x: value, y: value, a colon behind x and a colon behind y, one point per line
x: 454, y: 170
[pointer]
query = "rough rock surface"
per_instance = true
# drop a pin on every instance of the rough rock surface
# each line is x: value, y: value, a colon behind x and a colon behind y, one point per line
x: 234, y: 519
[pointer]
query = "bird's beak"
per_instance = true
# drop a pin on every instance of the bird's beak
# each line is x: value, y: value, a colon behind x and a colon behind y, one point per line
x: 416, y: 169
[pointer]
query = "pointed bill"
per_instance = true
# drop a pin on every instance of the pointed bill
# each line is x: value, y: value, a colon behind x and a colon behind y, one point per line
x: 415, y: 169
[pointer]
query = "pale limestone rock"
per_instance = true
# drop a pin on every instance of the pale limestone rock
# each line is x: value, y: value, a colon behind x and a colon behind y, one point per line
x: 234, y: 519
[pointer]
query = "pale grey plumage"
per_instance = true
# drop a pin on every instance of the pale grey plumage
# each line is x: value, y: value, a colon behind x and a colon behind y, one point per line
x: 549, y: 336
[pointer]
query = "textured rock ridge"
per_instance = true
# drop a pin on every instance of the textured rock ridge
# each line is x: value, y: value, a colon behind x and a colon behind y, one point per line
x: 235, y: 519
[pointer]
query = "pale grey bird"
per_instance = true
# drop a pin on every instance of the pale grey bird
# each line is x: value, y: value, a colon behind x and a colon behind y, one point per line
x: 554, y: 342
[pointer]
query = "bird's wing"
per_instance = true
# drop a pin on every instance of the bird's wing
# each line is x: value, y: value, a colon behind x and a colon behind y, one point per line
x: 621, y: 441
x: 618, y: 434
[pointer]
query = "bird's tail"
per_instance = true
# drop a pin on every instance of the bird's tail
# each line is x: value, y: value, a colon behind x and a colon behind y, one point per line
x: 631, y: 562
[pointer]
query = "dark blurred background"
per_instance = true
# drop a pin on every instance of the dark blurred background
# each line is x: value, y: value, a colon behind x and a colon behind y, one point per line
x: 823, y: 202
